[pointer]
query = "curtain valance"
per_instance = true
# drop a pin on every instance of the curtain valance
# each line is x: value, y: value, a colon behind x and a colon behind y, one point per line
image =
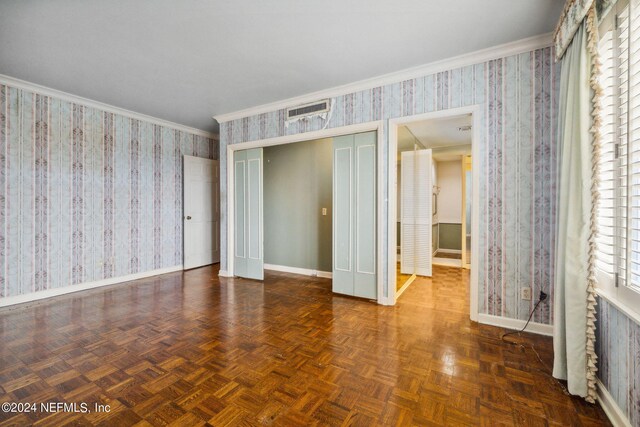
x: 572, y: 16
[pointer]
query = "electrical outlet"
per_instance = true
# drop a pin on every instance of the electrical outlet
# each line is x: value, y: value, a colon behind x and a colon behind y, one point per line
x: 525, y: 294
x: 324, y: 211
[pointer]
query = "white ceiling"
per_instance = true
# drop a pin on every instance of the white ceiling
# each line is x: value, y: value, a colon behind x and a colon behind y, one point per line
x: 441, y: 135
x: 406, y: 140
x: 188, y: 60
x: 442, y: 132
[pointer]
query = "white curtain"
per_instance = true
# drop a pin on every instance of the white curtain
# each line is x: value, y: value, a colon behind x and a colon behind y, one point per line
x: 574, y: 316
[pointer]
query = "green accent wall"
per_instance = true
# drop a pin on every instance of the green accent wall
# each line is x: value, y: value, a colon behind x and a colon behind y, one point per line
x: 450, y: 236
x: 297, y: 185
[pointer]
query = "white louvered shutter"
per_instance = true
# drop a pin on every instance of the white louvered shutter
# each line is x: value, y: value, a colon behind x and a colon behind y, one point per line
x: 630, y: 34
x: 606, y: 240
x: 416, y: 213
x: 619, y: 210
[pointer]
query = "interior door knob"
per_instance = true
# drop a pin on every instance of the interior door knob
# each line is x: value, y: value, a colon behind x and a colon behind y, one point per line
x: 188, y: 217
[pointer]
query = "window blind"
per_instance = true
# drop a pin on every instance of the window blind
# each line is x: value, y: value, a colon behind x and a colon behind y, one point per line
x: 606, y: 240
x: 632, y: 30
x: 619, y: 210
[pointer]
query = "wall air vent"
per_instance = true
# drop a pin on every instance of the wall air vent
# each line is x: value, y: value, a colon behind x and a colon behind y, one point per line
x: 308, y: 110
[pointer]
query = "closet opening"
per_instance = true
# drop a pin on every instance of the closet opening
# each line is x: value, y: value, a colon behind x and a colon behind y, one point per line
x: 308, y: 204
x: 298, y: 207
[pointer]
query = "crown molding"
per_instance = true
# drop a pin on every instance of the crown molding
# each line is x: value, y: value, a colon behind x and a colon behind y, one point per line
x: 65, y: 96
x: 477, y: 57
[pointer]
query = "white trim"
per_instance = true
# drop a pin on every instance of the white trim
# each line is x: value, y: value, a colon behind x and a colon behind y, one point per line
x: 65, y: 96
x: 298, y: 270
x: 308, y: 136
x: 449, y: 251
x: 475, y: 111
x: 49, y: 293
x: 224, y: 273
x: 404, y: 287
x: 382, y: 204
x: 477, y: 57
x: 377, y: 126
x: 619, y: 305
x: 617, y: 417
x: 447, y: 262
x: 515, y: 324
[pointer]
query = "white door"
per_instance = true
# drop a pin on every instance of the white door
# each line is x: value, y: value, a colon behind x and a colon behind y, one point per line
x: 248, y: 239
x: 201, y: 184
x: 354, y: 215
x: 416, y: 188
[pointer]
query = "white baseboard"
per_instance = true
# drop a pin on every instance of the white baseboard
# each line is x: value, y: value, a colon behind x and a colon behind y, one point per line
x: 35, y: 296
x: 297, y: 270
x: 516, y: 324
x: 611, y: 408
x: 224, y: 273
x: 449, y: 251
x: 448, y: 262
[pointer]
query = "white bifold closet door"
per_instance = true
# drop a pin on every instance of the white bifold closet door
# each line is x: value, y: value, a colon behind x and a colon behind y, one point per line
x: 248, y: 258
x: 416, y: 191
x: 354, y: 215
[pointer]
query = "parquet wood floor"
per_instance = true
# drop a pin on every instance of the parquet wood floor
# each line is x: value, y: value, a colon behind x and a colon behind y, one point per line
x: 189, y: 349
x: 401, y: 279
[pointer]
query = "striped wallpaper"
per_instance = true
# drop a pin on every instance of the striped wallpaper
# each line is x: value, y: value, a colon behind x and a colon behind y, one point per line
x: 618, y: 349
x: 85, y: 194
x: 517, y: 95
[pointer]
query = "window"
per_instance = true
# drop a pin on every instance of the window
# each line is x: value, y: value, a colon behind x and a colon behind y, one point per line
x: 618, y: 256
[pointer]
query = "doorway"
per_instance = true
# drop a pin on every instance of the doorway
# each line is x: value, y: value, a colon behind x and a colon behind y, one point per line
x: 361, y: 153
x: 452, y: 138
x: 201, y: 205
x: 449, y: 196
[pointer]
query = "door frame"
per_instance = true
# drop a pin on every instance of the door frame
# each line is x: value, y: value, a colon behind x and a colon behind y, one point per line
x: 377, y: 126
x: 475, y: 111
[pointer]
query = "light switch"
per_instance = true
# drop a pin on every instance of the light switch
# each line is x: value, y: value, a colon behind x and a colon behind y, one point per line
x: 324, y: 211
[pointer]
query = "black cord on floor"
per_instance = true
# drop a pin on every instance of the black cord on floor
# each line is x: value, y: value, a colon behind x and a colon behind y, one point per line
x: 543, y: 297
